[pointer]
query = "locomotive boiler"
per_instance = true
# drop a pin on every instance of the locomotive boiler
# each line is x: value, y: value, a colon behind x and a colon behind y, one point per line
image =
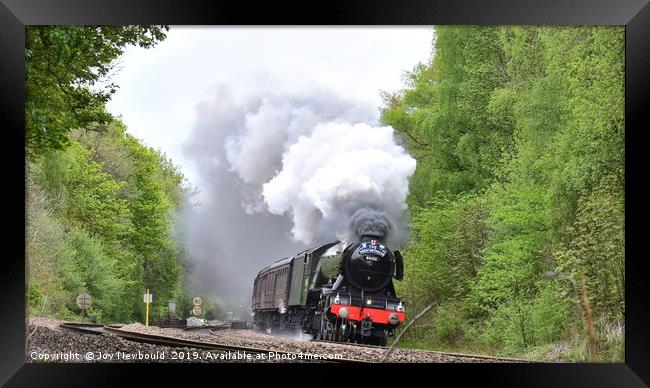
x: 339, y: 291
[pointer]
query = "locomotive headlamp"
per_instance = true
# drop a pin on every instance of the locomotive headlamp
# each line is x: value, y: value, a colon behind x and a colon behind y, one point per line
x: 337, y: 300
x: 400, y: 306
x: 369, y: 302
x: 343, y: 312
x: 393, y: 319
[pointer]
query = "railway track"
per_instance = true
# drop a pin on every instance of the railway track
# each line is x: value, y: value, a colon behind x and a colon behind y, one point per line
x: 484, y: 357
x: 171, y: 341
x: 95, y: 329
x: 84, y: 328
x: 459, y: 355
x: 205, y: 328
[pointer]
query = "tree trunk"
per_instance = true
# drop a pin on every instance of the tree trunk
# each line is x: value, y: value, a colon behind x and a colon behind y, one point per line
x: 593, y: 345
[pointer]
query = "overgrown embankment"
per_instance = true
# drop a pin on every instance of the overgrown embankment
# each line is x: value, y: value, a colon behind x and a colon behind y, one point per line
x: 519, y: 189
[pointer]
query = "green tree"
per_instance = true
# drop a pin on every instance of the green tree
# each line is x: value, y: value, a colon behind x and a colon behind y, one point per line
x: 89, y: 269
x: 519, y: 137
x: 46, y: 251
x: 65, y: 69
x: 102, y: 204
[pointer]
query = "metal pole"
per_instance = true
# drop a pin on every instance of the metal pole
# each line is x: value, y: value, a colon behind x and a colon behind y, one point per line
x: 146, y: 322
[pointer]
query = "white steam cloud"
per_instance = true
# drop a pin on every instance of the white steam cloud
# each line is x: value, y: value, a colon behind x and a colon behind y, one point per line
x: 278, y: 172
x: 270, y: 127
x: 350, y: 178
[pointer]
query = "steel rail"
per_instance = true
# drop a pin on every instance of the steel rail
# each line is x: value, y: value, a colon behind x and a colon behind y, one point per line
x: 215, y: 327
x: 459, y: 355
x: 182, y: 342
x: 97, y: 329
x: 84, y: 328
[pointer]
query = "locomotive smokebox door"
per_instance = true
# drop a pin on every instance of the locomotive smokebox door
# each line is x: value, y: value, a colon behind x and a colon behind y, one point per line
x: 368, y: 265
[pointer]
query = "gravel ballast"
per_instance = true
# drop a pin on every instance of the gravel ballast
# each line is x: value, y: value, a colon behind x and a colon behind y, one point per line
x: 47, y: 342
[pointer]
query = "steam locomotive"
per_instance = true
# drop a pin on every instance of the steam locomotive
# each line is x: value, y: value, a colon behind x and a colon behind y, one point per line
x: 337, y: 292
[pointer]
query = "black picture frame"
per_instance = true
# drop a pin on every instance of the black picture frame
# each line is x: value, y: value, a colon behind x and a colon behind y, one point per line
x: 16, y: 14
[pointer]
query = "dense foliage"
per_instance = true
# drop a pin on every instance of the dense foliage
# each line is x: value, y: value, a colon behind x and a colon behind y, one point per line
x: 100, y: 205
x: 67, y: 78
x: 519, y: 189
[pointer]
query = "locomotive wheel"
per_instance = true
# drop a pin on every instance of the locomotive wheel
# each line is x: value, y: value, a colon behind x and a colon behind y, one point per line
x: 353, y: 335
x: 383, y: 340
x: 330, y: 330
x: 321, y: 330
x: 316, y: 333
x: 343, y: 330
x: 324, y: 328
x: 337, y: 331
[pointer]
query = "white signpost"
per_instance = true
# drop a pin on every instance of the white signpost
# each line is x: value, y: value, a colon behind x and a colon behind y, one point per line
x: 148, y: 298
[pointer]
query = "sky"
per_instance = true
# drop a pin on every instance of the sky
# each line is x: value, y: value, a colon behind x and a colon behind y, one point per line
x: 161, y: 88
x: 251, y: 116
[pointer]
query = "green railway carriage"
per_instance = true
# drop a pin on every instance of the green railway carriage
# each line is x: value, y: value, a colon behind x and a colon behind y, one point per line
x: 287, y: 283
x: 336, y: 291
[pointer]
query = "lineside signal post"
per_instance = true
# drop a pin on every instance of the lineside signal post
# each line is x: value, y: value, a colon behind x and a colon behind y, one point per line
x: 196, y: 310
x: 148, y: 298
x: 84, y: 301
